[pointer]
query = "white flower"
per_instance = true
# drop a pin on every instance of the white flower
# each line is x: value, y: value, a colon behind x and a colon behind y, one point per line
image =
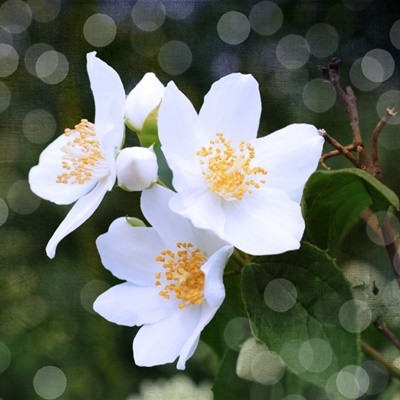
x: 142, y: 100
x: 174, y: 280
x: 136, y: 168
x: 245, y: 189
x: 80, y: 164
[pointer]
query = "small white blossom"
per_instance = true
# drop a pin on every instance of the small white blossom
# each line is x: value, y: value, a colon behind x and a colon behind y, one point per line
x: 80, y: 164
x: 245, y: 189
x: 173, y: 275
x: 142, y: 100
x: 136, y: 168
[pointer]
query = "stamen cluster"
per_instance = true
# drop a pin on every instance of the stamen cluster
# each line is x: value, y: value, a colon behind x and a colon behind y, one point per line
x: 82, y: 154
x: 227, y: 172
x: 184, y: 273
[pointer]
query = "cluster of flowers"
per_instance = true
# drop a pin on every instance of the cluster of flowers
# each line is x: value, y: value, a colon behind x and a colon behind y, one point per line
x: 232, y: 189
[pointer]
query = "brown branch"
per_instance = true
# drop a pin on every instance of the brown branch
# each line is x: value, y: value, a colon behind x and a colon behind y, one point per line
x: 389, y: 113
x: 388, y: 333
x: 374, y: 354
x: 340, y: 149
x: 349, y: 100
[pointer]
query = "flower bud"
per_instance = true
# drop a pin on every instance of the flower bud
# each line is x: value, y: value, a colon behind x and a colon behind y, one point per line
x: 136, y: 168
x: 142, y: 100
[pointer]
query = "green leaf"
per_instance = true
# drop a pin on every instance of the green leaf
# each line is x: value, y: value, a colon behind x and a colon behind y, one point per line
x: 334, y: 200
x: 293, y: 302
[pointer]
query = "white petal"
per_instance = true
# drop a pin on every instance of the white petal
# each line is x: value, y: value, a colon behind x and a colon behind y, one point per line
x: 43, y: 177
x: 162, y: 342
x: 170, y: 226
x: 109, y: 98
x: 78, y: 214
x: 176, y: 123
x: 204, y: 209
x: 207, y: 313
x: 232, y: 107
x: 143, y: 99
x: 265, y: 222
x: 129, y: 305
x: 130, y: 252
x: 214, y: 290
x: 290, y: 156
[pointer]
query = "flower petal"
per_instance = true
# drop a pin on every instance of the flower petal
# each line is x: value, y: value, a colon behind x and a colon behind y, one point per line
x: 203, y: 208
x: 162, y: 342
x: 170, y: 226
x: 130, y: 252
x: 265, y: 222
x: 129, y: 305
x: 176, y: 122
x: 214, y: 290
x: 290, y: 156
x: 78, y: 214
x: 43, y: 177
x: 232, y: 107
x: 189, y: 347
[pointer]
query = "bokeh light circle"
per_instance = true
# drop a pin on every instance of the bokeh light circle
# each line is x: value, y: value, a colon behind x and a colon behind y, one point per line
x: 3, y: 212
x: 148, y: 15
x: 359, y: 80
x: 374, y: 223
x: 293, y: 51
x: 233, y: 27
x: 395, y: 34
x: 5, y: 357
x: 9, y: 60
x: 39, y: 126
x: 99, y: 30
x: 32, y: 55
x: 44, y: 10
x: 90, y: 292
x: 318, y: 95
x: 236, y: 332
x: 280, y: 295
x: 352, y: 381
x: 5, y: 97
x: 266, y: 18
x: 52, y: 67
x: 378, y: 65
x: 389, y: 99
x: 178, y: 10
x: 267, y: 368
x: 49, y: 382
x: 15, y: 16
x: 315, y: 355
x: 175, y: 57
x: 378, y: 376
x: 346, y: 316
x: 21, y: 199
x: 323, y: 40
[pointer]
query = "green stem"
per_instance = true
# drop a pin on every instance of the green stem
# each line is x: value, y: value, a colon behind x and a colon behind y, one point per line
x: 371, y: 352
x: 240, y: 260
x: 160, y: 182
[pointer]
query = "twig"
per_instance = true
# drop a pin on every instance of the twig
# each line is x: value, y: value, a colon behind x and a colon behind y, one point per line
x: 345, y: 150
x: 389, y: 113
x: 388, y: 333
x: 371, y: 352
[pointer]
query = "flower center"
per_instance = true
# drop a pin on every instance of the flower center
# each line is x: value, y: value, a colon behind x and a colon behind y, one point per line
x: 227, y: 170
x: 183, y: 276
x: 83, y: 158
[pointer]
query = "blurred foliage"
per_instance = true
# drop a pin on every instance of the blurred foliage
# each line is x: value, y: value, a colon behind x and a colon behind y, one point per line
x: 44, y: 314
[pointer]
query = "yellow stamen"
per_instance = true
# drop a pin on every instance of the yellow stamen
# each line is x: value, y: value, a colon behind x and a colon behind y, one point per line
x: 82, y: 154
x: 183, y: 276
x: 227, y: 171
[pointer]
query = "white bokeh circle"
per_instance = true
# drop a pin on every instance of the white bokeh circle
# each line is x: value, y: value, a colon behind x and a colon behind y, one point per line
x: 280, y: 295
x: 233, y: 27
x: 293, y: 51
x: 99, y: 30
x: 175, y: 57
x: 266, y: 18
x: 49, y: 382
x: 318, y: 95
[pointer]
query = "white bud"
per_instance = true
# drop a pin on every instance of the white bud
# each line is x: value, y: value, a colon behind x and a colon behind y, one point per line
x: 142, y: 100
x: 136, y: 168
